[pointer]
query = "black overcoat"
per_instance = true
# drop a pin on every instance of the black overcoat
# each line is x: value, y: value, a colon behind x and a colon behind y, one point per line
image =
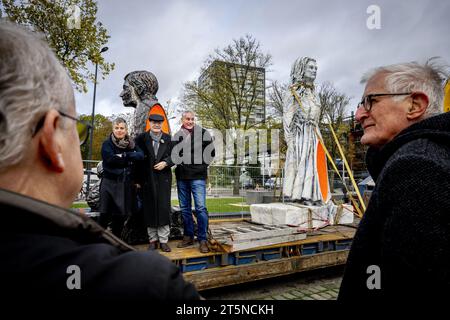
x: 156, y: 185
x: 402, y: 242
x: 42, y: 243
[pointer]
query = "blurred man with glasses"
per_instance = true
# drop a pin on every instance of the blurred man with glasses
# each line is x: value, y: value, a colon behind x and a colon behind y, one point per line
x: 401, y: 249
x: 48, y: 251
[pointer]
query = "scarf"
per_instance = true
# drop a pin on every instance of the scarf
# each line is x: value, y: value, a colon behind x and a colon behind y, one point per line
x: 124, y: 143
x: 155, y: 137
x: 156, y: 141
x: 187, y: 131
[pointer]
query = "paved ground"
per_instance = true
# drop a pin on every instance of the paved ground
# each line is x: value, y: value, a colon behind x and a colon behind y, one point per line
x: 320, y: 284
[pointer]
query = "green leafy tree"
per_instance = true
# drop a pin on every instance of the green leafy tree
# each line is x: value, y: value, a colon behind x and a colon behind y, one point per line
x: 70, y: 28
x: 102, y: 129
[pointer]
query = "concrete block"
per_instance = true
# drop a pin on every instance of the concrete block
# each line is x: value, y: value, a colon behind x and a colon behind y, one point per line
x: 261, y: 213
x: 344, y: 214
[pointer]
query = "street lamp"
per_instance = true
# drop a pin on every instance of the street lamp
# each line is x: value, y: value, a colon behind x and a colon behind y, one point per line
x: 92, y: 127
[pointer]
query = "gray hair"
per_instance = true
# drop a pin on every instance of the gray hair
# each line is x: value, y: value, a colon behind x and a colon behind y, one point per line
x: 120, y: 120
x: 404, y: 77
x: 32, y: 81
x: 186, y: 112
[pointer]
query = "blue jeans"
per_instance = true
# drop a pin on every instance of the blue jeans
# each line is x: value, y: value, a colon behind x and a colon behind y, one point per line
x: 198, y: 189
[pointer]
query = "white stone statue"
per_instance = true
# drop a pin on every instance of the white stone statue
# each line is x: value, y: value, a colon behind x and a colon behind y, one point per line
x: 306, y: 176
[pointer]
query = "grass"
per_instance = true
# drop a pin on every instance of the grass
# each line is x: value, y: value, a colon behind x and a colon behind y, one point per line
x: 223, y: 204
x: 79, y: 205
x: 213, y: 205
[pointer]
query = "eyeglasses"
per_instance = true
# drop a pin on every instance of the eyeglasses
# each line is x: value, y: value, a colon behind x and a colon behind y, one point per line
x: 366, y: 101
x: 83, y: 127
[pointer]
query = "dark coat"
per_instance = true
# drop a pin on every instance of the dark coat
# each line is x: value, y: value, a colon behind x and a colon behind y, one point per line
x: 116, y: 191
x: 193, y: 155
x: 39, y: 242
x: 156, y: 184
x: 405, y: 230
x: 115, y: 166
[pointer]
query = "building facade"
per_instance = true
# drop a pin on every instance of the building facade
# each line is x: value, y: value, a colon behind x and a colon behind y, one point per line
x: 248, y: 86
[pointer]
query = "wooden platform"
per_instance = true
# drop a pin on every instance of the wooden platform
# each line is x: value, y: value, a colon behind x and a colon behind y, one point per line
x: 323, y: 248
x: 231, y: 275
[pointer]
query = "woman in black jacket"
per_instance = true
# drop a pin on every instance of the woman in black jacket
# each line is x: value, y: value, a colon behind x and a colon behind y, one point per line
x: 118, y: 153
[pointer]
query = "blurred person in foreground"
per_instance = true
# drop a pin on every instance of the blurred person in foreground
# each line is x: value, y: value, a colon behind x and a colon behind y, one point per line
x: 48, y: 251
x: 401, y: 248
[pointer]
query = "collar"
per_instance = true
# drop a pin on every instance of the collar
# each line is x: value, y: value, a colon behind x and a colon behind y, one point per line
x: 187, y: 130
x: 155, y: 137
x: 435, y: 128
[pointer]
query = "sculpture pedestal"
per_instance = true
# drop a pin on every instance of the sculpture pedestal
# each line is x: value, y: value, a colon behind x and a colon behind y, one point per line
x: 296, y: 214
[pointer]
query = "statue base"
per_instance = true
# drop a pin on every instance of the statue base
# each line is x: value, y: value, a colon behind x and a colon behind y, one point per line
x: 301, y: 215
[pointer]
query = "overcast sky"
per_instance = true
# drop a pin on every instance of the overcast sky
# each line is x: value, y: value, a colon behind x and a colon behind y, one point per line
x: 172, y: 39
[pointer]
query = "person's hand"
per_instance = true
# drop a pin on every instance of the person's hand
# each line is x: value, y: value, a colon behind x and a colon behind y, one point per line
x: 138, y: 186
x: 160, y: 166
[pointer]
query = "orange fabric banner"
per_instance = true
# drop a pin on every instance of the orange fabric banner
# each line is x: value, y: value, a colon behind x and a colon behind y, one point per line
x: 158, y: 109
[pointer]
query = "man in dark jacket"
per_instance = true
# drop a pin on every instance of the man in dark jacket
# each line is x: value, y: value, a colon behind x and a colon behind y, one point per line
x: 192, y: 153
x: 48, y: 251
x: 155, y: 178
x: 401, y: 248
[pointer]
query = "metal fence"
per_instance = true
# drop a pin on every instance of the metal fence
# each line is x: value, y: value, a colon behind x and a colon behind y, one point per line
x: 231, y: 189
x: 226, y: 187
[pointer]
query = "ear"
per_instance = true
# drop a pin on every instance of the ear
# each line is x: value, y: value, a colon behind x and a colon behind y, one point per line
x: 50, y: 142
x: 418, y: 106
x: 138, y: 90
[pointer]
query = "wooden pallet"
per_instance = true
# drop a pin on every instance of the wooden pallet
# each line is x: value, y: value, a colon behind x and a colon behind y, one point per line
x: 246, y: 236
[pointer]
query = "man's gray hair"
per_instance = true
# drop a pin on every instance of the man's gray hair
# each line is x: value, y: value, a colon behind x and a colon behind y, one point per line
x: 32, y: 81
x: 405, y: 77
x: 186, y: 112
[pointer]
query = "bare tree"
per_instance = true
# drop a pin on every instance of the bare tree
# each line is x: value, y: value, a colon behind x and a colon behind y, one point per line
x: 275, y: 96
x: 230, y: 89
x: 333, y: 106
